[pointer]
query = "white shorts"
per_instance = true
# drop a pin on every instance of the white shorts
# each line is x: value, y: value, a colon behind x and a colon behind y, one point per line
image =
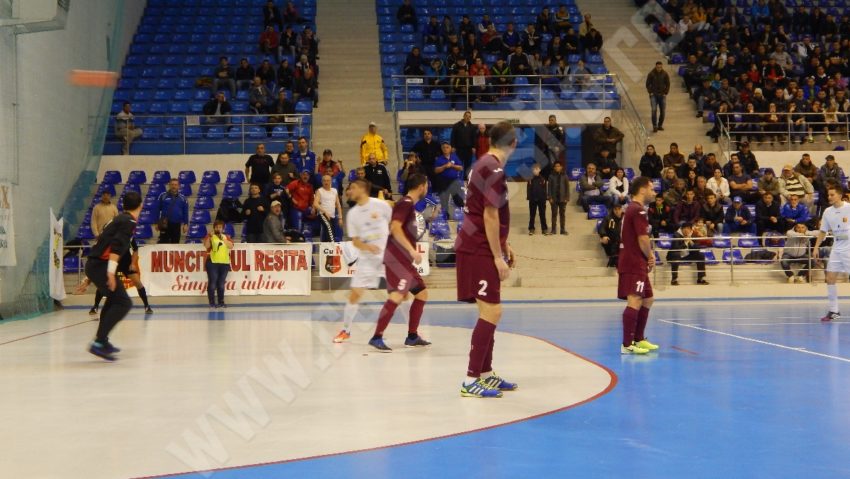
x: 367, y: 273
x: 839, y: 262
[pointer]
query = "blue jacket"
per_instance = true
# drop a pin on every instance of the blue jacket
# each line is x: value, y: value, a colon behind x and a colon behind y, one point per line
x: 800, y: 214
x: 178, y: 213
x: 449, y: 174
x: 307, y: 161
x: 731, y: 213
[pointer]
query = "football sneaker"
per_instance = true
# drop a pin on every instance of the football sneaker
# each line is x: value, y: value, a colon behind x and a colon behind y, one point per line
x: 378, y: 343
x: 830, y: 316
x: 342, y: 337
x: 479, y: 389
x: 416, y: 342
x: 645, y: 344
x: 496, y: 382
x: 632, y: 349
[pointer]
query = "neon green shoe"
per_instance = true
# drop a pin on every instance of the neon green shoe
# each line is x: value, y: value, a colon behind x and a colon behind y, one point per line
x: 645, y: 344
x: 632, y: 349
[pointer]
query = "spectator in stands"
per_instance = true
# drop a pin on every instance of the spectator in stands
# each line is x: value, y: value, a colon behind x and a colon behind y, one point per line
x: 337, y: 179
x: 668, y: 178
x: 480, y: 74
x: 708, y: 165
x: 796, y: 251
x: 269, y: 41
x: 606, y: 165
x: 448, y: 175
x: 720, y: 187
x: 592, y: 42
x: 607, y: 136
x: 102, y: 213
x: 413, y: 63
x: 738, y: 218
x: 304, y: 158
x: 276, y: 190
x: 437, y: 75
x: 224, y: 77
x: 290, y: 14
x: 266, y: 74
x: 173, y: 214
x: 244, y: 75
x: 285, y: 168
x: 373, y: 143
x: 377, y: 174
x: 685, y: 250
x: 255, y: 208
x: 686, y: 169
x: 794, y: 212
x: 558, y: 194
x: 660, y: 217
x: 271, y: 16
x: 650, y: 163
x: 658, y: 86
x: 712, y: 214
x: 217, y: 109
x: 306, y: 86
x: 461, y: 84
x: 511, y: 37
x: 675, y: 194
x: 793, y: 183
x: 806, y: 168
x: 259, y: 166
x: 280, y: 109
x: 301, y: 195
x: 549, y: 141
x: 544, y: 22
x: 447, y: 29
x: 463, y: 139
x: 590, y: 188
x: 519, y: 63
x: 609, y: 234
x: 482, y: 141
x: 431, y: 32
x: 125, y: 127
x: 748, y: 160
x: 428, y: 150
x: 328, y: 207
x: 501, y: 77
x: 562, y: 22
x: 374, y: 191
x: 530, y: 39
x: 273, y: 225
x: 673, y: 158
x: 768, y: 183
x: 687, y: 210
x: 466, y: 27
x: 741, y: 184
x: 535, y: 194
x: 259, y: 97
x: 308, y: 44
x: 328, y: 161
x: 829, y: 172
x: 618, y: 187
x: 412, y: 165
x: 406, y: 14
x: 768, y: 217
x: 287, y: 46
x: 698, y: 154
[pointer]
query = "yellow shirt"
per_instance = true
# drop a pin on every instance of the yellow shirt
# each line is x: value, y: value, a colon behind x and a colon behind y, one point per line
x: 373, y: 144
x: 219, y: 252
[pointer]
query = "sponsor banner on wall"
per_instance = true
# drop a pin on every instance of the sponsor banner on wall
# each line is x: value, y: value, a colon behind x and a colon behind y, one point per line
x: 56, y: 280
x: 339, y: 260
x: 255, y: 269
x: 7, y: 226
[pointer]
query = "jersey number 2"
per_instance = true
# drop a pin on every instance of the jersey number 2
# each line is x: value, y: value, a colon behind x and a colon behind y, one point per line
x: 483, y: 290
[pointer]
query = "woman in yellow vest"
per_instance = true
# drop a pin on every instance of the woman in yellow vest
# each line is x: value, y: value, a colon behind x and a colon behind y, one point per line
x: 218, y: 247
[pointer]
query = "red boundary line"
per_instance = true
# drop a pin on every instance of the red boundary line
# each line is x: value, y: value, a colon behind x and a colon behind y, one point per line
x: 47, y: 332
x: 683, y: 350
x: 611, y: 385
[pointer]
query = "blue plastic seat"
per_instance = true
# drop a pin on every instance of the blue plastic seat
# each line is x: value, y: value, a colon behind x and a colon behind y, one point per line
x: 576, y: 173
x: 128, y: 187
x: 144, y: 232
x: 171, y: 133
x: 186, y: 177
x: 256, y: 132
x: 194, y: 133
x: 148, y: 217
x: 71, y: 264
x: 215, y: 133
x: 112, y: 177
x: 664, y: 241
x: 106, y: 188
x: 156, y: 189
x: 211, y: 177
x: 280, y: 132
x: 85, y: 233
x: 234, y: 133
x: 733, y: 257
x: 232, y: 190
x: 204, y: 203
x: 235, y: 176
x: 161, y: 177
x: 207, y: 189
x: 720, y: 242
x: 197, y: 231
x: 596, y: 212
x: 201, y: 216
x: 137, y: 177
x: 185, y: 189
x: 710, y: 258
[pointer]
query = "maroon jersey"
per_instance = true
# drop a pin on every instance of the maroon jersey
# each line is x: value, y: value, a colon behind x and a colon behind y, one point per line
x: 404, y: 212
x: 635, y: 223
x: 486, y: 187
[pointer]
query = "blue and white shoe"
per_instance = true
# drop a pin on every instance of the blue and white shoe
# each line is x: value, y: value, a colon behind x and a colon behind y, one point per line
x: 495, y: 382
x: 479, y: 389
x: 416, y: 342
x: 101, y: 351
x: 378, y: 343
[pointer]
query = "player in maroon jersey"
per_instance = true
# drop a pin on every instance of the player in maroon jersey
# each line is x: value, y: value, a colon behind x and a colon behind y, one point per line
x: 635, y: 262
x: 484, y: 259
x: 402, y: 276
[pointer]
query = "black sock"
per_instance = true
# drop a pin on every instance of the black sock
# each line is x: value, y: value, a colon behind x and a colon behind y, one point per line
x: 412, y: 335
x: 144, y: 295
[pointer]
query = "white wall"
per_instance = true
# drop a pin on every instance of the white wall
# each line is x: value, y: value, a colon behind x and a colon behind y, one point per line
x: 52, y: 121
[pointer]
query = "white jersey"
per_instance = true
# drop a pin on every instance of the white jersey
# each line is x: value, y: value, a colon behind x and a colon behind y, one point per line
x: 327, y: 201
x: 837, y: 221
x: 370, y: 223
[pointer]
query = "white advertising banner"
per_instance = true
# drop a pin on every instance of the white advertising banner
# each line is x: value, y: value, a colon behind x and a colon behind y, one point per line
x: 255, y: 269
x: 7, y: 226
x: 339, y: 260
x: 55, y: 277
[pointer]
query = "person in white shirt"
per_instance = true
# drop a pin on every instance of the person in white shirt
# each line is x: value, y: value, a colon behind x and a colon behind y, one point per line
x: 125, y: 128
x: 368, y: 224
x: 835, y: 220
x: 618, y: 187
x: 326, y: 203
x: 720, y: 187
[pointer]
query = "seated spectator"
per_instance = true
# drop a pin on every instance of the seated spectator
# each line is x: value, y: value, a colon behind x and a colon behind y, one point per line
x: 697, y: 154
x: 412, y: 166
x: 768, y: 217
x: 431, y: 32
x: 618, y: 187
x: 447, y: 29
x: 748, y: 160
x: 530, y: 39
x: 290, y: 14
x: 590, y: 189
x: 374, y: 191
x: 712, y: 214
x: 519, y: 63
x: 535, y: 194
x: 562, y: 21
x: 259, y: 97
x: 437, y: 75
x: 592, y: 42
x: 301, y: 196
x: 668, y: 178
x: 413, y: 63
x: 650, y: 163
x: 687, y: 211
x: 544, y: 22
x: 373, y: 143
x: 224, y: 77
x: 606, y: 165
x: 287, y: 45
x: 259, y: 166
x: 448, y: 176
x: 125, y: 127
x: 306, y: 86
x: 466, y: 27
x: 285, y: 76
x: 267, y: 74
x: 274, y: 224
x: 738, y: 218
x: 244, y: 75
x: 673, y: 159
x: 808, y: 169
x: 609, y: 234
x: 796, y: 251
x: 285, y: 168
x: 793, y: 183
x: 829, y: 172
x: 461, y: 84
x: 328, y: 208
x: 674, y: 195
x: 501, y: 77
x: 685, y: 250
x: 271, y: 15
x: 480, y: 74
x: 660, y: 217
x: 406, y: 14
x: 217, y: 109
x: 690, y: 166
x: 511, y: 37
x: 308, y: 45
x: 741, y: 185
x: 254, y: 208
x: 269, y: 41
x: 708, y: 165
x: 794, y: 212
x: 280, y: 109
x: 768, y: 183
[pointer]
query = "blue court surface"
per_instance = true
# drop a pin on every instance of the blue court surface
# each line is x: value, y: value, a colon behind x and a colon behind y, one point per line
x: 739, y: 389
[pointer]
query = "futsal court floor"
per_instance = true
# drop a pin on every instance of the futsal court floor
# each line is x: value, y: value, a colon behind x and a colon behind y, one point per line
x: 744, y: 389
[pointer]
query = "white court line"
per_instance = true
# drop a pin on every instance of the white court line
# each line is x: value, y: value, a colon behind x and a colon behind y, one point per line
x: 759, y: 341
x: 771, y: 324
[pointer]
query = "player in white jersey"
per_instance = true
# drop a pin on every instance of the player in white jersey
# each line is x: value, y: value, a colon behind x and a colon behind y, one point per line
x: 368, y: 224
x: 836, y: 219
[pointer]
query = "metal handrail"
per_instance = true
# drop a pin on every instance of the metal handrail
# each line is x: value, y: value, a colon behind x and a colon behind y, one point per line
x: 733, y: 129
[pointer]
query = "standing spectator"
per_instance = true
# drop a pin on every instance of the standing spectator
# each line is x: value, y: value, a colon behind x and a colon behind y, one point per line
x: 244, y: 75
x: 738, y: 218
x: 685, y: 250
x: 273, y: 225
x: 224, y: 77
x: 406, y: 14
x: 269, y: 41
x: 428, y: 150
x: 102, y: 213
x: 304, y: 158
x: 767, y: 215
x: 329, y: 162
x: 609, y: 234
x: 218, y: 246
x: 519, y: 63
x: 173, y: 214
x: 618, y: 187
x: 673, y: 158
x: 658, y: 86
x: 276, y: 190
x: 271, y: 15
x: 463, y: 139
x: 306, y: 86
x: 327, y: 206
x: 217, y: 109
x: 448, y: 173
x: 259, y: 97
x: 650, y: 163
x: 607, y: 137
x: 255, y: 208
x: 796, y: 251
x: 590, y: 189
x: 259, y: 166
x: 285, y: 168
x: 712, y: 214
x: 377, y: 174
x: 535, y: 193
x: 125, y: 127
x: 558, y: 195
x: 482, y: 141
x: 301, y: 195
x: 550, y: 143
x: 373, y: 143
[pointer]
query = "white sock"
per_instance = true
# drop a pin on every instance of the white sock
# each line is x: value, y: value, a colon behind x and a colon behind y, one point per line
x: 469, y: 380
x: 832, y: 293
x: 487, y: 374
x: 348, y: 314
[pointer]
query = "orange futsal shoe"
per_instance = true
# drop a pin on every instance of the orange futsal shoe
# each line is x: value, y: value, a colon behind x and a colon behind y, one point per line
x: 342, y: 337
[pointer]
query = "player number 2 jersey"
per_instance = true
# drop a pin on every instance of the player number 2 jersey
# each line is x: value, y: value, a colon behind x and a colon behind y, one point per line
x: 635, y: 223
x: 370, y: 223
x: 486, y: 187
x: 837, y: 220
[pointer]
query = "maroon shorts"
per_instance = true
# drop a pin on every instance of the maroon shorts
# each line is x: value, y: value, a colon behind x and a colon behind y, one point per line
x: 634, y: 284
x: 477, y: 278
x: 403, y: 278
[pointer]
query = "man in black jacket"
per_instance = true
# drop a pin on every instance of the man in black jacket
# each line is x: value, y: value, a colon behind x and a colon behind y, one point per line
x: 271, y: 16
x: 216, y: 108
x: 609, y: 234
x: 101, y: 267
x: 463, y: 139
x: 535, y: 193
x: 767, y: 215
x: 406, y: 15
x: 224, y: 77
x: 685, y: 250
x: 378, y: 176
x: 558, y: 195
x: 255, y: 209
x: 550, y: 142
x: 428, y: 151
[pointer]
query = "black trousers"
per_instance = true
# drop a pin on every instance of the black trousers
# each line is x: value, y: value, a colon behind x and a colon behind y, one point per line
x: 171, y: 235
x: 537, y: 208
x: 117, y: 304
x: 695, y: 257
x: 465, y: 156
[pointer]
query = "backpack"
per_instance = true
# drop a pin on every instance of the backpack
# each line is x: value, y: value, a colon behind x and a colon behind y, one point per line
x: 229, y: 211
